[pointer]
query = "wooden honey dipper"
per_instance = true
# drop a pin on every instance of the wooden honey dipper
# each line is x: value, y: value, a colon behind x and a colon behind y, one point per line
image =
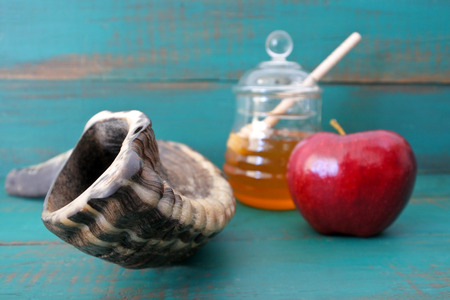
x: 314, y: 76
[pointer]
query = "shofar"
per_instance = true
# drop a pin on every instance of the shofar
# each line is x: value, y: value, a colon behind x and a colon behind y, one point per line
x: 119, y: 198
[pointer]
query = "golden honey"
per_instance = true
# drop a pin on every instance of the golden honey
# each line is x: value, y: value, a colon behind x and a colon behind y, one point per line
x: 277, y: 105
x: 256, y: 169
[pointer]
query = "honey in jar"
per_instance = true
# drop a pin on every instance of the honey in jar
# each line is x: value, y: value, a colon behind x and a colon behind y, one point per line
x: 263, y: 135
x: 258, y: 174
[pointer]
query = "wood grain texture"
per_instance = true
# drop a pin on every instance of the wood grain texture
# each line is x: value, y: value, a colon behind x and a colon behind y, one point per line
x: 42, y: 119
x: 403, y: 42
x: 63, y: 61
x: 279, y: 258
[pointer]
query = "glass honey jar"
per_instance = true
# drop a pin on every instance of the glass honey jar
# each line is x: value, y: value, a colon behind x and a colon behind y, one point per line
x: 277, y: 105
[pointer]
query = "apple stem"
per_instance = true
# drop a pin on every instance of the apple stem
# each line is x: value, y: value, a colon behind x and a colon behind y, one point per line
x: 336, y: 126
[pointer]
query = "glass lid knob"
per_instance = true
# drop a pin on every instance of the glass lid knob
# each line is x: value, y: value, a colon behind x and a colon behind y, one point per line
x: 279, y: 45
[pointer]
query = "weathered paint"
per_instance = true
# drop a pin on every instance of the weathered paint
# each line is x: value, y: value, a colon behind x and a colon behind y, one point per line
x: 67, y: 67
x: 63, y: 61
x: 403, y: 41
x: 41, y: 119
x: 260, y: 255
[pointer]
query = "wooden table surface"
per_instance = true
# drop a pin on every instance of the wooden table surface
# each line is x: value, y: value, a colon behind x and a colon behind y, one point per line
x: 61, y: 62
x: 260, y: 255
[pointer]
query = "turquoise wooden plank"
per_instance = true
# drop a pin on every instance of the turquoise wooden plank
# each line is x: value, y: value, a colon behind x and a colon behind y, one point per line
x: 259, y: 255
x: 20, y: 221
x: 20, y: 218
x: 419, y: 113
x: 199, y: 115
x: 403, y: 41
x: 41, y: 119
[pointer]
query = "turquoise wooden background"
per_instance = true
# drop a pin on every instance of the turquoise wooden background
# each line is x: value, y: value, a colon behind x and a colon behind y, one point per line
x: 63, y: 61
x: 177, y: 61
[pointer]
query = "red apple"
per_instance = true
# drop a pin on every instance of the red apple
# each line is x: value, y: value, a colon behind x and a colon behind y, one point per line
x: 355, y: 184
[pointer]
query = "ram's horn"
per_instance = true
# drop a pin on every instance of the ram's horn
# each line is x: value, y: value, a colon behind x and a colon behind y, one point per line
x: 35, y: 181
x: 124, y: 197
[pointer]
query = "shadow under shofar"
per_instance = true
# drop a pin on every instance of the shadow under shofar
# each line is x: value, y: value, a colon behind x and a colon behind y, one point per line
x: 122, y: 196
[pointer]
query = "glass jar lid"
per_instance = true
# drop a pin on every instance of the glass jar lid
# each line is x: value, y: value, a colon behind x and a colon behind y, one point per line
x: 277, y: 75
